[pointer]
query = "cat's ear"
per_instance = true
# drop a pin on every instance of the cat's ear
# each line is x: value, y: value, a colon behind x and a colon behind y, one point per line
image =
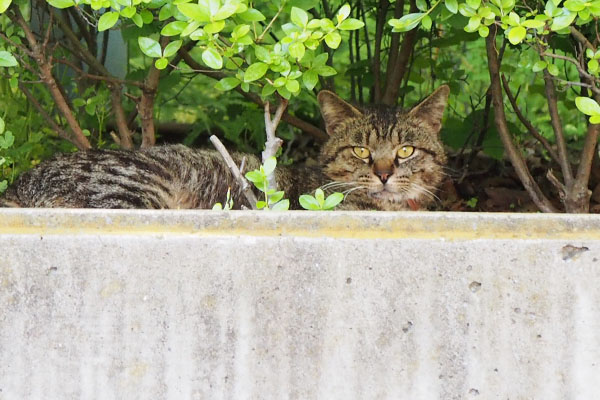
x: 335, y: 110
x: 432, y: 108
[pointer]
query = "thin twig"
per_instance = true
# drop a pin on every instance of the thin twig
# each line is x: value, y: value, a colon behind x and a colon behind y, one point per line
x: 244, y: 185
x: 534, y: 132
x: 61, y: 132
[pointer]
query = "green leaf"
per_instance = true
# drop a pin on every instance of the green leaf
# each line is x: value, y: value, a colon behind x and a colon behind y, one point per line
x: 426, y: 22
x: 61, y: 3
x: 147, y: 17
x: 343, y: 13
x: 333, y: 39
x: 299, y: 16
x: 2, y: 126
x: 283, y: 205
x: 533, y: 23
x: 173, y: 28
x: 292, y: 85
x: 228, y: 83
x: 587, y: 106
x: 128, y: 12
x: 269, y: 165
x: 474, y: 4
x: 7, y: 60
x: 407, y: 22
x: 593, y: 65
x: 149, y: 47
x: 214, y: 27
x: 255, y: 177
x: 137, y: 19
x: 255, y: 71
x: 553, y: 69
x: 473, y: 25
x: 172, y: 48
x: 225, y: 12
x: 574, y: 5
x: 212, y: 58
x: 320, y: 196
x: 297, y: 50
x: 517, y: 34
x: 563, y: 21
x: 452, y: 6
x: 483, y: 31
x: 4, y: 4
x: 466, y: 10
x: 351, y: 24
x: 275, y: 197
x: 325, y: 70
x: 194, y: 11
x: 8, y: 140
x: 310, y: 79
x: 267, y: 90
x: 161, y: 63
x: 107, y: 20
x: 595, y: 119
x: 252, y: 15
x: 3, y: 185
x: 261, y: 204
x: 333, y: 200
x: 308, y: 202
x: 539, y: 66
x: 262, y: 54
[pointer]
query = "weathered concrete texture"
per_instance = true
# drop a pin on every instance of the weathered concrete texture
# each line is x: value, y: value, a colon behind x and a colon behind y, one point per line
x: 212, y: 305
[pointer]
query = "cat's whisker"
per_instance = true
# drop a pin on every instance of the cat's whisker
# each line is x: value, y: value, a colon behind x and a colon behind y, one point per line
x: 347, y: 192
x: 335, y: 184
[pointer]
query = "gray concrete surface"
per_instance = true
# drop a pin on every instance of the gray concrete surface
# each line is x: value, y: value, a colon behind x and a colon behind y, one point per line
x: 256, y: 305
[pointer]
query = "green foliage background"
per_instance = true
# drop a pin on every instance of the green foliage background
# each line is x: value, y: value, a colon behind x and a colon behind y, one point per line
x: 449, y: 48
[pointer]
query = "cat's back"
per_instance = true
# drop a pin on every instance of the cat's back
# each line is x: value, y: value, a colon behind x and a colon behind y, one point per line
x: 157, y: 177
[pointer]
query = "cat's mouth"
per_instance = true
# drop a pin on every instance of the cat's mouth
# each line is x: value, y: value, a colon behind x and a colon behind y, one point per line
x: 387, y: 195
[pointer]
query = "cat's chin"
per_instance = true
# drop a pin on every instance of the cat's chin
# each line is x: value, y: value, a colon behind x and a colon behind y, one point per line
x: 387, y: 196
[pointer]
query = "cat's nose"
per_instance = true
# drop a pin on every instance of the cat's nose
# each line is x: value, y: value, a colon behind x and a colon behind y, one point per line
x: 383, y: 176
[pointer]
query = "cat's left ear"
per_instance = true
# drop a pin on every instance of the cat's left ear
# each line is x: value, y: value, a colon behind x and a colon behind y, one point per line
x: 432, y: 108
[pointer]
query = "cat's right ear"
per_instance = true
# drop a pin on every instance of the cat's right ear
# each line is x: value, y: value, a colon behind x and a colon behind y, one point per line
x: 335, y: 110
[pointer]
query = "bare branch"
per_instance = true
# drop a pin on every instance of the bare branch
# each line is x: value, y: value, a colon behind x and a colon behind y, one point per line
x: 534, y: 132
x: 581, y: 38
x: 273, y: 143
x: 45, y: 73
x: 244, y: 185
x: 513, y: 153
x: 61, y: 132
x: 561, y: 144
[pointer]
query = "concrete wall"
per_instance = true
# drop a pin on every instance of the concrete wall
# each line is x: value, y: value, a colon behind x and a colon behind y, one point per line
x: 256, y: 305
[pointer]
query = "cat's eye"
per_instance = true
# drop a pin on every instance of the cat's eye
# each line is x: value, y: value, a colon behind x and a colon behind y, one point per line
x: 361, y: 152
x: 405, y: 151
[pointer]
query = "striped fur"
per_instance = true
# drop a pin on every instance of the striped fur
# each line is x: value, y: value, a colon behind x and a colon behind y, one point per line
x: 167, y: 177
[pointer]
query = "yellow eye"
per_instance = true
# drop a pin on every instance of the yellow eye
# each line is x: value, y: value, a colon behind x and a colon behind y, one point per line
x: 361, y: 152
x: 405, y: 151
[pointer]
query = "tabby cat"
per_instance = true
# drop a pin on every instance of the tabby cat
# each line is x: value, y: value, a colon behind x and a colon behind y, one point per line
x: 383, y: 159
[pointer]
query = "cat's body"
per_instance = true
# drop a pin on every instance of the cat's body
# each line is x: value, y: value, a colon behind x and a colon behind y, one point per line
x: 384, y: 159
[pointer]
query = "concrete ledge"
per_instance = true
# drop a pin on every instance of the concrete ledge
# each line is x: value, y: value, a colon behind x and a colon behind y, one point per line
x: 99, y: 304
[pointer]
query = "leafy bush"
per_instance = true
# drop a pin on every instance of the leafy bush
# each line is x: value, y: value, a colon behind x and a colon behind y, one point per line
x: 532, y: 68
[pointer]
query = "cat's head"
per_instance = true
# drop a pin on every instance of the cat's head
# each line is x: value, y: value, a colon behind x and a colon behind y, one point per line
x: 395, y: 157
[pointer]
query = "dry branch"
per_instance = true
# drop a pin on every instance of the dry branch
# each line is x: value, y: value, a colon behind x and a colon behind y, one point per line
x: 45, y: 73
x: 246, y: 188
x: 273, y: 143
x: 513, y: 153
x: 534, y: 132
